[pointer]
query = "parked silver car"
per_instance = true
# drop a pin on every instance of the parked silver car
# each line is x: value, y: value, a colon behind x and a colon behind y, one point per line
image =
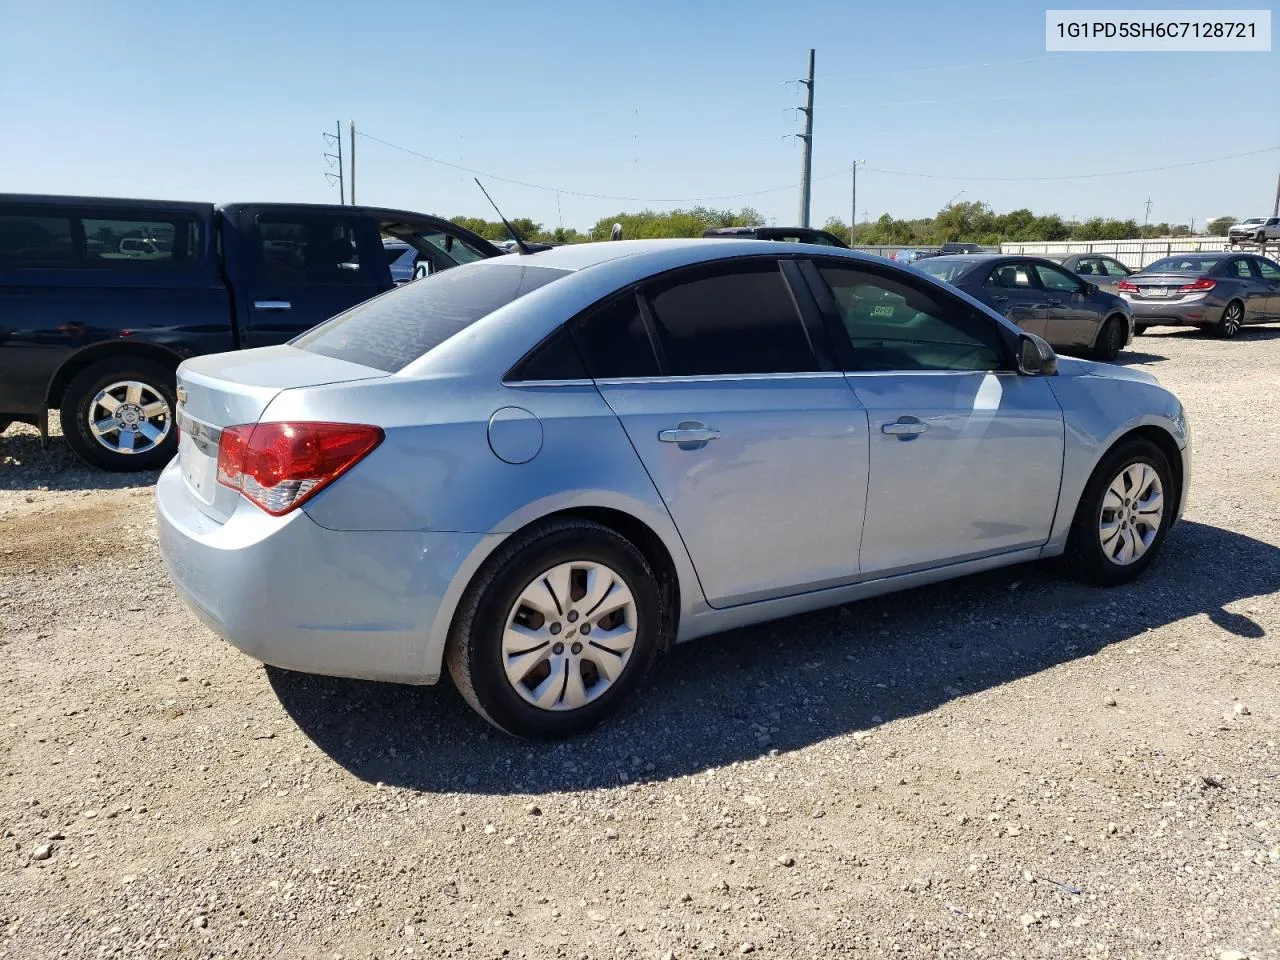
x: 1102, y: 271
x: 543, y: 470
x: 1221, y: 291
x: 1254, y: 230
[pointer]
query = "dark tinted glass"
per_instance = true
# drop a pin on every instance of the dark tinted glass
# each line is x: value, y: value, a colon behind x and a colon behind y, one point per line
x: 1186, y: 263
x: 35, y: 240
x: 1052, y: 278
x: 895, y: 325
x: 556, y: 358
x: 614, y: 342
x: 309, y: 250
x: 1268, y: 269
x: 391, y: 331
x: 128, y: 242
x: 735, y: 318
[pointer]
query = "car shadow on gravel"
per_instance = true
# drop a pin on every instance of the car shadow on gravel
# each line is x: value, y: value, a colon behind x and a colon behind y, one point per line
x: 24, y: 466
x: 1251, y: 332
x: 791, y: 683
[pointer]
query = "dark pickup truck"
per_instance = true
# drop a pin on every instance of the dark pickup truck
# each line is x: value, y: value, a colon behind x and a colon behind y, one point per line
x: 101, y: 299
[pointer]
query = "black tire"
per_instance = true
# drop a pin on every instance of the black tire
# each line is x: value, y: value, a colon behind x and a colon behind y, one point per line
x: 1110, y: 340
x: 474, y: 650
x: 83, y: 392
x: 1085, y: 557
x: 1232, y: 320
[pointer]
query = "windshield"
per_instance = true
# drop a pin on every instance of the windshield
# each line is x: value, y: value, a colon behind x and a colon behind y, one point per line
x: 391, y: 331
x: 946, y: 270
x: 1186, y: 264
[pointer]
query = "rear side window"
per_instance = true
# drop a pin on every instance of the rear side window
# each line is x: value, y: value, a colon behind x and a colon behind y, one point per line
x: 1011, y: 276
x: 310, y: 250
x: 125, y: 242
x: 391, y: 331
x: 35, y: 240
x: 896, y: 325
x: 613, y: 340
x: 732, y: 318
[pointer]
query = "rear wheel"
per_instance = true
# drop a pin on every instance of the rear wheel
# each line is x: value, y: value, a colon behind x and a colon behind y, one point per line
x: 557, y: 630
x: 119, y: 414
x: 1110, y: 340
x: 1123, y: 515
x: 1232, y: 320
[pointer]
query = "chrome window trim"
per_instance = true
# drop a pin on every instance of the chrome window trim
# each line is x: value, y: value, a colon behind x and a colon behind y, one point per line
x: 724, y: 377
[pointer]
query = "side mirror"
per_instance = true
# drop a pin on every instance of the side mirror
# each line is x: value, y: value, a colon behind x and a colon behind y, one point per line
x: 1035, y: 357
x: 1090, y: 288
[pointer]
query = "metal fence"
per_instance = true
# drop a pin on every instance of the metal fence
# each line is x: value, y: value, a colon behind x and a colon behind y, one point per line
x: 1132, y: 253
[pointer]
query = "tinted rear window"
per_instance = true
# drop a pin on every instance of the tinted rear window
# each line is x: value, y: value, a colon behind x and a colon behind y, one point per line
x: 944, y: 270
x: 1183, y: 264
x: 391, y: 331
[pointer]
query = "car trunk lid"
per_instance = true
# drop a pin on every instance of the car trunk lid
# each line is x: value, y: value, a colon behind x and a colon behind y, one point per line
x: 228, y: 389
x: 1159, y: 286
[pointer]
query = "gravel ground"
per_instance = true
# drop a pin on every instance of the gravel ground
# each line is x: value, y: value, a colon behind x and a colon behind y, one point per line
x: 1005, y: 766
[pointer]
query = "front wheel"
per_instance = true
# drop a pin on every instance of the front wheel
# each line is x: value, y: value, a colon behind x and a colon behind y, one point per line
x: 119, y: 414
x: 1110, y: 340
x: 558, y: 629
x: 1232, y: 320
x: 1123, y: 515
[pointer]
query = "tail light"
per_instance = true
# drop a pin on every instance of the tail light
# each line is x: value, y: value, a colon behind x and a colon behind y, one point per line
x: 1204, y: 283
x: 1127, y: 286
x: 279, y: 466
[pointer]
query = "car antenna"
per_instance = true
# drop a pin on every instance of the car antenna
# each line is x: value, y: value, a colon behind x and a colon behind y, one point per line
x: 524, y: 248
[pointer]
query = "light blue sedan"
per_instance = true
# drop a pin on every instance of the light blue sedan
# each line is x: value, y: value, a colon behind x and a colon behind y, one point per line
x: 541, y: 471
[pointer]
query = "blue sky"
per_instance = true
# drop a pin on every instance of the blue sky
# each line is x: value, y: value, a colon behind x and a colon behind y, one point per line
x: 681, y: 100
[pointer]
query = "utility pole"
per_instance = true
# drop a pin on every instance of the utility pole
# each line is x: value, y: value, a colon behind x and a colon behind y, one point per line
x: 1147, y: 219
x: 352, y: 125
x: 853, y: 199
x: 1275, y: 211
x: 332, y: 158
x: 806, y: 176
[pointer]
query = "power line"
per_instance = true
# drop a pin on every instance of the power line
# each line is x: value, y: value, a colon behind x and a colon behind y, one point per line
x: 1073, y: 176
x: 1038, y: 95
x: 580, y: 193
x: 952, y: 67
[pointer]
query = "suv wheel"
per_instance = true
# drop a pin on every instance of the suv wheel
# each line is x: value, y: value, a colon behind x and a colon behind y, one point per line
x: 119, y: 414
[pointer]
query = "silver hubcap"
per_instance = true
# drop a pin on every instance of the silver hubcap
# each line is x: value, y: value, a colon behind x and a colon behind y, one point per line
x: 129, y: 417
x: 1232, y: 319
x: 1131, y: 513
x: 569, y: 635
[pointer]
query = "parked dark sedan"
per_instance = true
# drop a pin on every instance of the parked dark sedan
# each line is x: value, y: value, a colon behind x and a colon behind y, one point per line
x: 1223, y: 291
x: 1042, y: 298
x: 1106, y: 272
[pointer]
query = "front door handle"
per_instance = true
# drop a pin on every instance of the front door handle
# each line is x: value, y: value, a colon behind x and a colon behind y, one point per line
x: 904, y: 428
x: 689, y: 432
x: 272, y: 305
x: 998, y: 298
x: 1054, y: 302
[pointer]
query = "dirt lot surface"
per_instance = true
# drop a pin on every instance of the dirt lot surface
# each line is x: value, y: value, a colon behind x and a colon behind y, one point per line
x: 1004, y: 766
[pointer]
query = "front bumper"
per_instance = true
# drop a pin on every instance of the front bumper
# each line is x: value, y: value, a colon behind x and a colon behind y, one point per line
x: 297, y: 595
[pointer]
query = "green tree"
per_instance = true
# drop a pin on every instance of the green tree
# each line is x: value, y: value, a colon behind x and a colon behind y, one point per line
x: 1219, y: 226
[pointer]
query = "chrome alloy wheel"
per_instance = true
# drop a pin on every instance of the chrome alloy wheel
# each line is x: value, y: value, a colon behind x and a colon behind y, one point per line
x: 1232, y: 318
x: 569, y: 635
x: 1132, y: 510
x: 129, y: 417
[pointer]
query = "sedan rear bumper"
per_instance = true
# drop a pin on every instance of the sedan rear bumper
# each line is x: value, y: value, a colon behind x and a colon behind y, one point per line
x: 1200, y: 311
x: 297, y: 595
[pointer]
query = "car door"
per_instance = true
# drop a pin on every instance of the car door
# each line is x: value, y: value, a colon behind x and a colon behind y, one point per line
x: 1073, y: 314
x: 1012, y: 290
x: 1269, y: 271
x: 757, y: 446
x: 1249, y: 287
x: 305, y: 267
x: 965, y: 454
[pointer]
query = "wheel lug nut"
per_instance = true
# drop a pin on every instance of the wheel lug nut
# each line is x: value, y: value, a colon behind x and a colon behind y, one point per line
x: 555, y: 629
x: 576, y: 648
x: 586, y: 628
x: 558, y: 649
x: 573, y: 616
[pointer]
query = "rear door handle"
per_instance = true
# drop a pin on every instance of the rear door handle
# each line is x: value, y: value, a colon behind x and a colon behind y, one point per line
x: 272, y: 305
x: 689, y: 433
x: 905, y: 428
x: 998, y: 298
x: 1054, y: 302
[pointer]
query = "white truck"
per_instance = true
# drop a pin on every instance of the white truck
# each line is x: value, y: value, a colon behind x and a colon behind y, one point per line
x: 1254, y: 230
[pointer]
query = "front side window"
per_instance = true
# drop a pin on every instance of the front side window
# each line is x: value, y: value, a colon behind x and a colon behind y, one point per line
x: 731, y: 318
x: 35, y: 240
x: 309, y: 250
x: 895, y: 325
x: 391, y: 331
x: 454, y: 248
x: 1269, y: 270
x: 1053, y: 278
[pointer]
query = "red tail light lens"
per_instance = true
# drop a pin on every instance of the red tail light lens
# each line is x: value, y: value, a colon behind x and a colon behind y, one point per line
x: 1204, y: 283
x: 279, y: 466
x: 1126, y: 285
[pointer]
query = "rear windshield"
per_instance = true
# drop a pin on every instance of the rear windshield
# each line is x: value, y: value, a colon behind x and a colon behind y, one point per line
x: 945, y: 270
x: 1185, y: 264
x: 391, y: 331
